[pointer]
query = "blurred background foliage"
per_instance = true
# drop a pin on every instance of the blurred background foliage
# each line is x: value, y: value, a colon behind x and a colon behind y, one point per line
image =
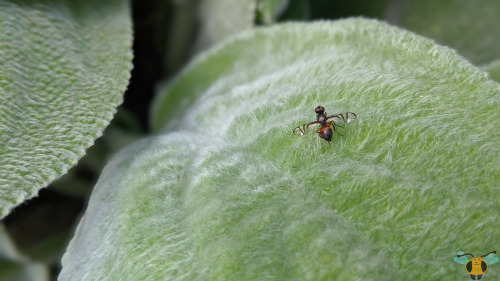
x: 167, y: 34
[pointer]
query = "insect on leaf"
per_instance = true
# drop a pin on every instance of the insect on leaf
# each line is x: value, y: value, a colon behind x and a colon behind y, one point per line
x: 225, y: 191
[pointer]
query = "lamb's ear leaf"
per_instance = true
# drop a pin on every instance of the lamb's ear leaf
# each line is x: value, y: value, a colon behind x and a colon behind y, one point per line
x: 64, y: 68
x: 221, y: 19
x: 268, y: 11
x: 227, y: 192
x: 210, y: 21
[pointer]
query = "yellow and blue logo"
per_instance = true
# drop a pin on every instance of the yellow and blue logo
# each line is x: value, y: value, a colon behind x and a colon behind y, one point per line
x: 476, y: 267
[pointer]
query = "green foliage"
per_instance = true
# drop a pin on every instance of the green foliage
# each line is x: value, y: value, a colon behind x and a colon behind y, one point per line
x: 465, y: 25
x: 267, y: 11
x: 64, y: 68
x: 227, y: 192
x: 222, y: 18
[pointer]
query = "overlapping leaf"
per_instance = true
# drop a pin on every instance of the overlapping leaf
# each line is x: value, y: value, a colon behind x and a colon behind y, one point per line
x: 64, y: 68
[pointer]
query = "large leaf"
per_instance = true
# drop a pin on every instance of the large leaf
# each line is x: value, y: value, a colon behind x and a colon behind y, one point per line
x: 227, y: 192
x: 64, y: 67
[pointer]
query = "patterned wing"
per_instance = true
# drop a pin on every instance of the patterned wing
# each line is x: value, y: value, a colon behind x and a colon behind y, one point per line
x: 344, y: 117
x: 302, y: 130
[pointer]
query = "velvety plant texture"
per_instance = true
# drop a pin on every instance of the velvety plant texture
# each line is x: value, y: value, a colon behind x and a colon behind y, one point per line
x: 64, y: 66
x: 225, y: 191
x: 185, y: 166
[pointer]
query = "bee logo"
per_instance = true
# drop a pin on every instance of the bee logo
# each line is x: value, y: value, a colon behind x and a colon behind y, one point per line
x: 476, y: 267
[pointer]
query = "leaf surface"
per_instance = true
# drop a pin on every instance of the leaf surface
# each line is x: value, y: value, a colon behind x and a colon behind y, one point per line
x: 225, y: 191
x: 222, y: 18
x: 64, y: 68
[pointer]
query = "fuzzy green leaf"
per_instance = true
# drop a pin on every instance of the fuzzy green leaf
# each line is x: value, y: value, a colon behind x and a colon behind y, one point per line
x: 64, y: 67
x: 227, y: 192
x: 222, y: 18
x: 267, y: 11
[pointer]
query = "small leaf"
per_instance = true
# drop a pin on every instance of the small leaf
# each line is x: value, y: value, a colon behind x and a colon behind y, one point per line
x: 268, y: 11
x: 221, y: 19
x: 64, y: 67
x: 227, y: 192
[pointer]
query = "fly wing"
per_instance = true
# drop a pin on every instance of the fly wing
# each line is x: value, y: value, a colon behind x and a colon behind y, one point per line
x: 345, y: 117
x: 302, y: 130
x: 491, y: 258
x: 350, y: 116
x: 312, y: 126
x: 462, y: 259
